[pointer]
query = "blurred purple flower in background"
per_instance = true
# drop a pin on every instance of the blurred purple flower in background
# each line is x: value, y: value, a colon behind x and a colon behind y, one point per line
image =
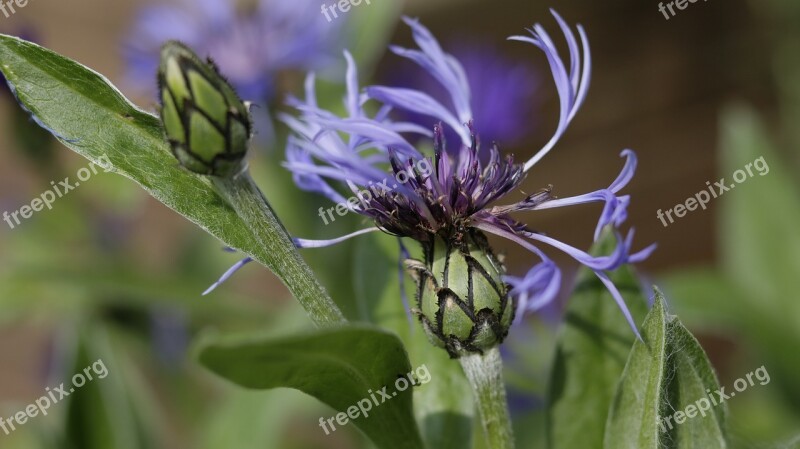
x: 250, y: 40
x: 503, y: 92
x: 169, y: 335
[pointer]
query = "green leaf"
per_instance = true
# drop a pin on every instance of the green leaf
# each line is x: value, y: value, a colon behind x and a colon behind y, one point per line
x: 342, y: 367
x: 444, y: 407
x: 254, y: 420
x: 759, y: 243
x: 108, y: 410
x: 593, y: 345
x: 764, y: 206
x: 633, y: 417
x: 90, y: 116
x: 662, y: 388
x: 691, y: 376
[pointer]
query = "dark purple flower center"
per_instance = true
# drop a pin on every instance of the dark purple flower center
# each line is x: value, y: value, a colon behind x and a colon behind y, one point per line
x: 443, y: 201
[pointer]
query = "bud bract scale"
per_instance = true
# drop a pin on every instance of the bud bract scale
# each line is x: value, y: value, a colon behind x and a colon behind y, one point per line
x: 206, y: 124
x: 462, y: 301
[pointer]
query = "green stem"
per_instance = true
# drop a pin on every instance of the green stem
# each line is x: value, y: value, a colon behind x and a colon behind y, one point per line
x: 278, y: 251
x: 485, y: 375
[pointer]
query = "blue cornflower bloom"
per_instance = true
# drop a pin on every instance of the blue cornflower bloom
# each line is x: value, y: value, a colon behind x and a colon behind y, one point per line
x: 444, y: 201
x: 250, y: 40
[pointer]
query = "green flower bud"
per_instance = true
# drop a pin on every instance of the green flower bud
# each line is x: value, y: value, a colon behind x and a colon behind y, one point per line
x: 462, y: 301
x: 206, y: 124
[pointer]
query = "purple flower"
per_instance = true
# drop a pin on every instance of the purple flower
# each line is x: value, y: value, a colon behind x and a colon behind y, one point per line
x: 503, y: 92
x: 251, y: 41
x: 169, y: 335
x: 448, y: 195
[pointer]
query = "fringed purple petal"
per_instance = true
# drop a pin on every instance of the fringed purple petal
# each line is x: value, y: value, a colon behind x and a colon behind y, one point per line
x: 375, y: 132
x: 538, y: 288
x: 418, y: 102
x: 620, y: 255
x: 531, y: 202
x: 627, y: 172
x: 615, y: 210
x: 309, y: 182
x: 442, y: 66
x: 540, y: 285
x: 304, y: 243
x: 571, y: 87
x: 339, y: 174
x: 642, y: 255
x: 540, y: 280
x: 352, y: 101
x: 619, y: 300
x: 231, y: 271
x: 355, y: 159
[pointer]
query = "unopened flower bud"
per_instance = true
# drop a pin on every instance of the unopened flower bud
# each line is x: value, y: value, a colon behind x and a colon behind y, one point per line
x: 206, y: 124
x: 462, y: 301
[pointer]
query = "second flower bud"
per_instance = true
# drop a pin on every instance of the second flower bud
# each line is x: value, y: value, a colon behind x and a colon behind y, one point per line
x: 206, y: 124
